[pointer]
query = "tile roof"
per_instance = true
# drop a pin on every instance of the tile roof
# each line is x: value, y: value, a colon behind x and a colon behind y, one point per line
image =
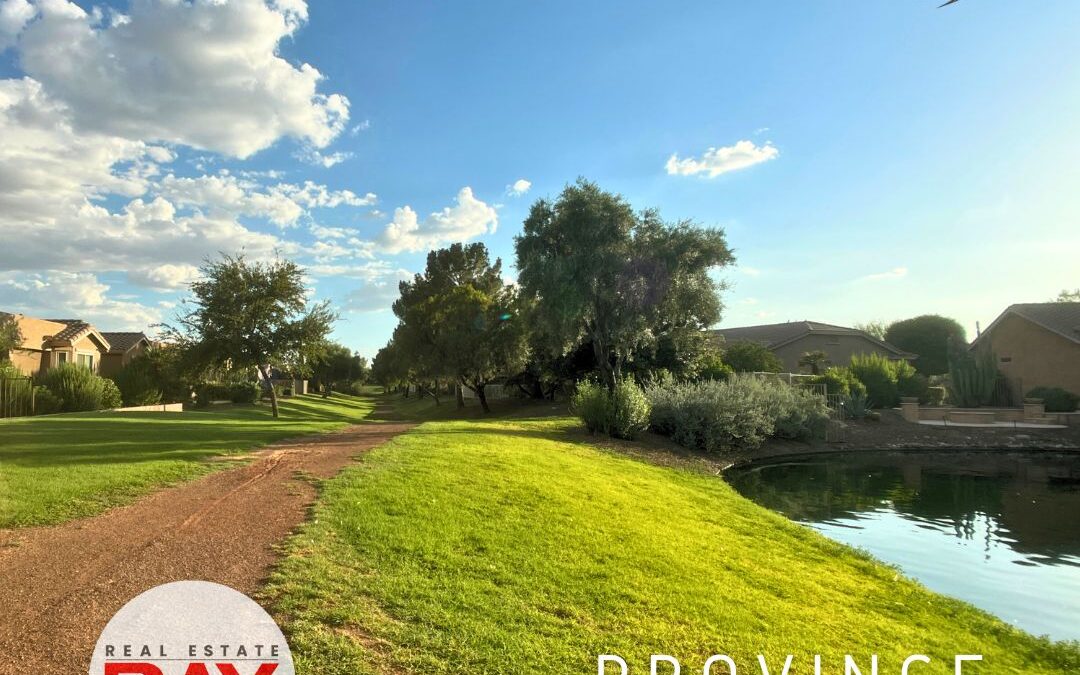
x: 774, y: 335
x: 121, y: 342
x: 1062, y: 318
x: 75, y: 329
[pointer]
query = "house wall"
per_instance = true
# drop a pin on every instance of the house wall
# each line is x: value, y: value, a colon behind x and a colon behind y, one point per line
x: 840, y: 349
x: 1032, y: 356
x: 27, y: 360
x: 87, y: 345
x: 111, y: 363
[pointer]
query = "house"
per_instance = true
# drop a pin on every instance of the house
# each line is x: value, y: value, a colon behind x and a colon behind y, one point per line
x: 1036, y: 345
x: 789, y: 341
x: 50, y: 342
x: 123, y: 347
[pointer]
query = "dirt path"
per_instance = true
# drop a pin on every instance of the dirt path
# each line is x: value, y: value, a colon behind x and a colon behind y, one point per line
x: 60, y: 585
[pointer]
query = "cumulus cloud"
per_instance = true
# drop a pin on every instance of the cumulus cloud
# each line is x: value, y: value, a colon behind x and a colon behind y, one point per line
x: 73, y: 295
x: 894, y: 273
x: 716, y: 161
x: 164, y: 277
x: 469, y: 217
x: 14, y: 15
x: 143, y: 77
x: 519, y: 187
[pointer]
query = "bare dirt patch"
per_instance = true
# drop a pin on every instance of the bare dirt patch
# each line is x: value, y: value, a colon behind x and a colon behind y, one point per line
x: 60, y: 585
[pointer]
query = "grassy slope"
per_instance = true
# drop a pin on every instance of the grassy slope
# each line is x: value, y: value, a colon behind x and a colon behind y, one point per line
x: 58, y: 467
x: 508, y: 546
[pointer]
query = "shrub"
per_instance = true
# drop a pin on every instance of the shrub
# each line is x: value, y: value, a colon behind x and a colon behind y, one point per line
x: 914, y: 385
x: 841, y: 381
x: 1055, y: 399
x: 9, y: 371
x: 739, y: 413
x: 751, y: 357
x: 879, y: 377
x: 629, y: 411
x: 935, y: 395
x: 244, y: 392
x: 857, y: 405
x: 592, y: 404
x: 971, y: 377
x: 714, y: 368
x: 138, y: 384
x: 927, y: 336
x: 78, y: 389
x: 45, y: 402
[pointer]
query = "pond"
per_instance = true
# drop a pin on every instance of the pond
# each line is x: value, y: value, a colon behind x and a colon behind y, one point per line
x: 1000, y: 530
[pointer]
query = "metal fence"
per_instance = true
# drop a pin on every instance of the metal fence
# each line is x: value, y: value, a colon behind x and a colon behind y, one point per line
x: 16, y: 397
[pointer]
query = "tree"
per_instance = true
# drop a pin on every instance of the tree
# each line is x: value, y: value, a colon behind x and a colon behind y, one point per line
x: 876, y: 329
x: 1068, y: 296
x: 461, y: 321
x: 599, y: 273
x: 11, y: 336
x: 927, y: 336
x: 335, y: 364
x: 751, y: 357
x: 252, y: 315
x: 815, y: 360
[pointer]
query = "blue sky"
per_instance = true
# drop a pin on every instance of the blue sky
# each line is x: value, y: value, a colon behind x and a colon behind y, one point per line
x: 910, y: 159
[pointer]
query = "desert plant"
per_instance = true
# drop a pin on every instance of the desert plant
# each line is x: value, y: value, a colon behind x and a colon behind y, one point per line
x: 841, y: 381
x: 971, y: 377
x: 1055, y: 399
x: 857, y: 405
x: 815, y: 360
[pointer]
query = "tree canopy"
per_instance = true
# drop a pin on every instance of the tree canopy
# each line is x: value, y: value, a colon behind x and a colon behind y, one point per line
x: 10, y: 335
x: 1068, y: 296
x: 460, y: 321
x: 928, y: 336
x: 751, y: 357
x: 596, y: 272
x: 252, y: 315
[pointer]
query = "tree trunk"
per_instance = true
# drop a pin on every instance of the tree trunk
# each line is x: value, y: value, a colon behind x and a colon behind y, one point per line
x: 603, y: 362
x: 479, y: 389
x: 460, y: 396
x: 273, y: 392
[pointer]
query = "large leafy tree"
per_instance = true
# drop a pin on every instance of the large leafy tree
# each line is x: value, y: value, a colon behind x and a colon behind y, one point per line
x: 1068, y: 296
x: 599, y: 273
x: 928, y: 336
x: 246, y: 315
x: 10, y: 335
x: 335, y: 364
x: 460, y: 320
x: 751, y: 357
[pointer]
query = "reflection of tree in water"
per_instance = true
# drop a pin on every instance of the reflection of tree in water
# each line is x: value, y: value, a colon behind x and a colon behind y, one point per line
x: 1030, y: 502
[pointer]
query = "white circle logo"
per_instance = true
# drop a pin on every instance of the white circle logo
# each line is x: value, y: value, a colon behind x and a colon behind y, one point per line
x: 192, y: 628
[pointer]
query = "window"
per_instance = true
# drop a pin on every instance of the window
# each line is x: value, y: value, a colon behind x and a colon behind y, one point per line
x: 85, y: 360
x: 61, y: 357
x: 1006, y: 359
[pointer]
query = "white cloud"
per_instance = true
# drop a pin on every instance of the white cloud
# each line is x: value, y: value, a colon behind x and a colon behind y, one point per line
x: 378, y: 294
x: 363, y: 126
x: 520, y: 187
x: 143, y: 78
x: 75, y: 295
x: 326, y: 160
x: 466, y: 219
x: 716, y: 161
x: 164, y: 277
x: 321, y: 232
x: 894, y: 273
x: 14, y: 15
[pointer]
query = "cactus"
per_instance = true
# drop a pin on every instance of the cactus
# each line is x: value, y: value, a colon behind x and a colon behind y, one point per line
x: 971, y: 377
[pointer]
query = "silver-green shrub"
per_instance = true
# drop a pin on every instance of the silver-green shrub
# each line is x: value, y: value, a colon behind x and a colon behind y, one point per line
x: 740, y: 413
x: 623, y: 413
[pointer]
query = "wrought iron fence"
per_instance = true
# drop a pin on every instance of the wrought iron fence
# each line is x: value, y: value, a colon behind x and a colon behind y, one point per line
x: 16, y: 397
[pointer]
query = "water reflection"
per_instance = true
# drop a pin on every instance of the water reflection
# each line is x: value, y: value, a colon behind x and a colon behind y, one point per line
x: 1000, y: 530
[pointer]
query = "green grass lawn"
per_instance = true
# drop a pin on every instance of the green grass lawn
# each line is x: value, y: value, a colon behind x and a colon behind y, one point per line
x: 511, y: 546
x: 57, y: 467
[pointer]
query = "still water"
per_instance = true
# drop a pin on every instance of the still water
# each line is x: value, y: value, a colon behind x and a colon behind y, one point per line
x: 1000, y: 530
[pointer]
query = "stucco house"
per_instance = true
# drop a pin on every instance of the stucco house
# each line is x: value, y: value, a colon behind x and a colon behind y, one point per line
x: 790, y: 340
x: 50, y: 342
x: 123, y: 347
x: 1036, y: 344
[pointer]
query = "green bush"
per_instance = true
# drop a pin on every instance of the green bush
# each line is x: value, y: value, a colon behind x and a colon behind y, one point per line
x: 714, y: 368
x: 972, y: 376
x: 857, y: 405
x: 1055, y: 399
x: 877, y: 375
x: 840, y: 381
x: 751, y: 357
x: 45, y: 402
x: 592, y: 404
x: 739, y: 413
x: 79, y: 389
x: 244, y: 392
x: 138, y: 384
x: 8, y: 371
x: 629, y: 411
x: 914, y: 385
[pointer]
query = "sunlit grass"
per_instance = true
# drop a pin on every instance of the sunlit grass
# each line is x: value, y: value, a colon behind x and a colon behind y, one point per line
x: 512, y: 546
x: 57, y: 467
